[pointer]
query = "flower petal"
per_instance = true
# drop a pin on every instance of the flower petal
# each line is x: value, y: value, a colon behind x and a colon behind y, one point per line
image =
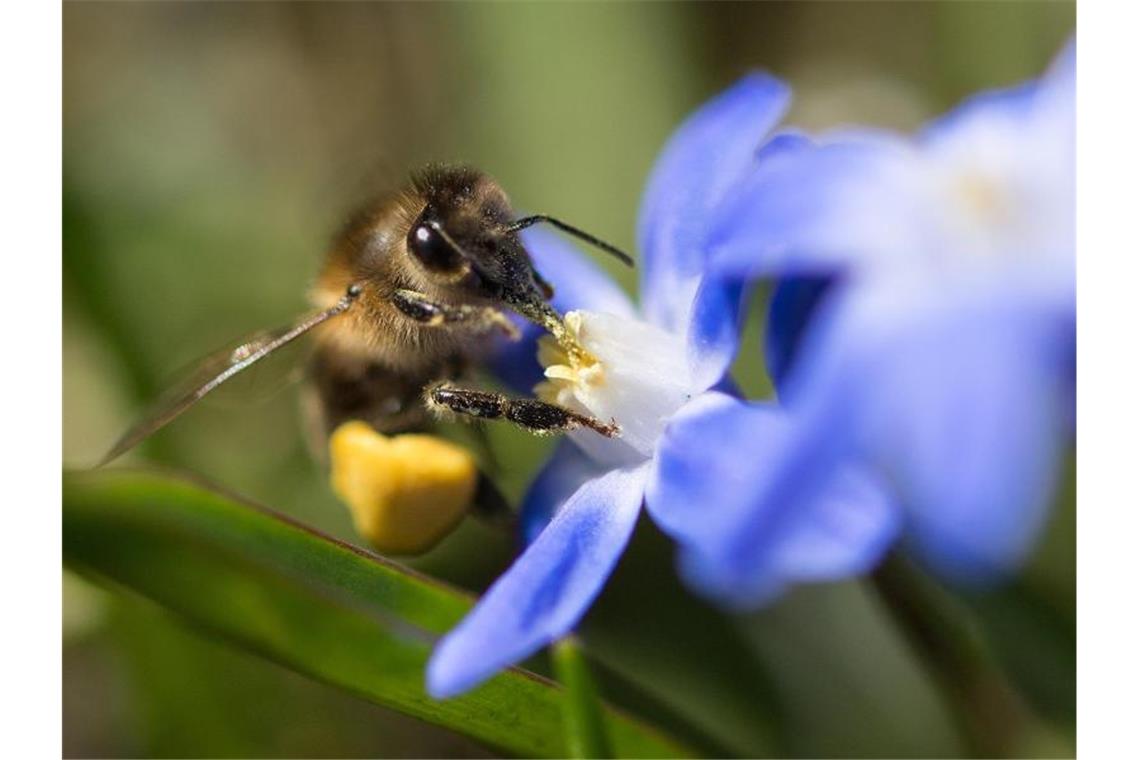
x: 1059, y: 86
x: 701, y: 450
x: 945, y: 359
x: 703, y: 159
x: 734, y: 484
x: 548, y: 588
x: 714, y: 329
x: 793, y: 303
x: 562, y: 475
x: 961, y: 399
x: 578, y: 283
x: 844, y: 532
x: 1010, y: 154
x: 837, y: 528
x: 804, y: 209
x: 1048, y: 102
x: 988, y: 182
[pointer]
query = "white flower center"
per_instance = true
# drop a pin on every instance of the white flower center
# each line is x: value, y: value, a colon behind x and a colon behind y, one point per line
x: 631, y: 372
x: 1006, y: 190
x: 984, y: 199
x: 983, y: 212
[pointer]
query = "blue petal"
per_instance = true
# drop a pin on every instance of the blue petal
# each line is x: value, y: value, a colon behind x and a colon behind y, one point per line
x: 842, y: 532
x: 547, y: 590
x: 754, y: 508
x: 701, y: 448
x: 1059, y: 85
x: 714, y: 329
x: 805, y: 209
x: 837, y: 527
x: 564, y: 473
x: 1014, y: 104
x: 1046, y: 102
x: 961, y: 398
x: 793, y: 303
x: 1026, y: 136
x: 706, y: 156
x: 859, y: 199
x: 578, y: 283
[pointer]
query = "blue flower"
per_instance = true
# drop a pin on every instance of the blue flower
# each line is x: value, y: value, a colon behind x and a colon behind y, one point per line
x: 646, y: 371
x: 922, y: 335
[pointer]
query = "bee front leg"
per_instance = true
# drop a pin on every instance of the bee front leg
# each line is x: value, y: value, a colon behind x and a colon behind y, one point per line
x: 419, y: 308
x: 531, y: 414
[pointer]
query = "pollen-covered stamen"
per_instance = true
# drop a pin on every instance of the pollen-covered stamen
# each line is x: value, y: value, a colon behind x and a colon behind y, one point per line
x: 567, y: 364
x: 628, y: 371
x: 565, y: 337
x: 544, y: 315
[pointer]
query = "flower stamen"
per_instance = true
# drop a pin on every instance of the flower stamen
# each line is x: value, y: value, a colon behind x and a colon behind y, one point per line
x: 568, y: 366
x: 625, y: 370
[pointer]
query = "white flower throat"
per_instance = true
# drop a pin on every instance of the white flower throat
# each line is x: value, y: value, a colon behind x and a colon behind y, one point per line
x: 629, y: 371
x: 1005, y: 187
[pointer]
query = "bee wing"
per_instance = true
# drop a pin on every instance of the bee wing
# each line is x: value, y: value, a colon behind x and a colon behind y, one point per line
x: 214, y: 370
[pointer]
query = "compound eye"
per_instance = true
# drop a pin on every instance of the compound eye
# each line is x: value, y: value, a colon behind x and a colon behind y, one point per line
x: 432, y: 250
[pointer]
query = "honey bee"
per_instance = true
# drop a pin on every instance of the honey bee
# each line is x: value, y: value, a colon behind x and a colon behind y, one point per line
x: 410, y: 296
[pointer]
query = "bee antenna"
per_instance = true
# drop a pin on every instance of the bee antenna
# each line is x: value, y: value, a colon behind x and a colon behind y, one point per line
x: 569, y: 229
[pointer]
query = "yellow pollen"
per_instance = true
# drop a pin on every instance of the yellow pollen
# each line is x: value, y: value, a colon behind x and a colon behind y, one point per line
x: 984, y: 197
x: 567, y: 365
x: 405, y: 492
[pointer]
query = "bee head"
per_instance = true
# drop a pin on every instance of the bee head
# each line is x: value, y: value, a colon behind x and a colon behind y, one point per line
x: 462, y: 240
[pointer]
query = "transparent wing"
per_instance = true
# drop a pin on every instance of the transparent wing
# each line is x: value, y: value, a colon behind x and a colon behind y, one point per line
x: 215, y: 370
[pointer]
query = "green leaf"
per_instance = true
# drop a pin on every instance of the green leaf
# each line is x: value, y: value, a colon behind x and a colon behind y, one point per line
x: 321, y: 607
x: 584, y: 724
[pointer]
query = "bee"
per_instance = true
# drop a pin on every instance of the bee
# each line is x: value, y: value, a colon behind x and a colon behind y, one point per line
x: 412, y: 293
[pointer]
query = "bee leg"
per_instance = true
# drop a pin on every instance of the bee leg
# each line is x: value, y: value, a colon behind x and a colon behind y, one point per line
x: 531, y: 414
x: 421, y: 309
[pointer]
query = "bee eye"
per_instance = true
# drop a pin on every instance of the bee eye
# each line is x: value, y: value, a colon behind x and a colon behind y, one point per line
x: 435, y: 253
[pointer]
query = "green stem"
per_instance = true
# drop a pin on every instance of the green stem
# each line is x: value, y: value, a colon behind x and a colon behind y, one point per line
x: 952, y: 646
x: 581, y: 712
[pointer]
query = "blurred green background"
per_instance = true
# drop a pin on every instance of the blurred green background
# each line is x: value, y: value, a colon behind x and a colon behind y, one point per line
x: 211, y: 149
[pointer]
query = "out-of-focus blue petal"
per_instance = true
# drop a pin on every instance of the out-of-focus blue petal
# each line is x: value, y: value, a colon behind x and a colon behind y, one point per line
x: 805, y: 208
x: 1013, y: 104
x: 1020, y: 142
x: 548, y: 588
x: 842, y: 532
x: 1059, y: 85
x: 961, y: 399
x: 578, y: 283
x: 863, y: 200
x: 753, y: 507
x: 703, y: 159
x: 943, y: 364
x: 1048, y: 102
x: 837, y: 527
x: 793, y: 303
x: 702, y: 449
x: 563, y: 474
